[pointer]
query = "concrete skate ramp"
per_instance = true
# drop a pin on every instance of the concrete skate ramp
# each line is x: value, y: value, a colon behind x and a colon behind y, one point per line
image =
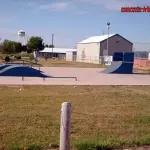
x: 120, y: 67
x: 122, y: 63
x: 114, y: 66
x: 24, y: 71
x: 4, y: 66
x: 19, y: 70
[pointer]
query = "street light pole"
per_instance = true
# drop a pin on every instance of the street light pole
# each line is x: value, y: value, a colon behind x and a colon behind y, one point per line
x: 108, y: 27
x: 52, y: 44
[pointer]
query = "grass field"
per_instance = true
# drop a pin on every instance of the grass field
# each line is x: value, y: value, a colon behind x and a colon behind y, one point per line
x: 102, y: 116
x: 57, y: 63
x: 63, y: 63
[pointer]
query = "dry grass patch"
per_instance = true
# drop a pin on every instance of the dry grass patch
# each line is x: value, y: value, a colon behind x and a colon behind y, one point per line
x: 63, y: 63
x: 56, y: 63
x: 99, y: 113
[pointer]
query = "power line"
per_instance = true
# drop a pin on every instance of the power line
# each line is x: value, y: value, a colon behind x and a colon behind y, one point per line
x: 141, y: 42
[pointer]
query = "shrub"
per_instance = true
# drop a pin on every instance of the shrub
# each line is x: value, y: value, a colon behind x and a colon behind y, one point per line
x: 26, y: 55
x: 31, y: 57
x: 18, y: 57
x: 7, y: 59
x: 1, y: 57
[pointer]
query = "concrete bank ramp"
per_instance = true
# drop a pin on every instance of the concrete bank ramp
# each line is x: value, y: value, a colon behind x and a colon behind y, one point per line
x: 19, y: 70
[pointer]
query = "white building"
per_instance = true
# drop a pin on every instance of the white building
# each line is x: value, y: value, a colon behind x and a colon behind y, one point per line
x: 71, y: 55
x: 91, y: 50
x: 59, y: 53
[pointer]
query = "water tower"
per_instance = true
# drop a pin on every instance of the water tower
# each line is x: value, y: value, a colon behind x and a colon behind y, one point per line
x: 22, y: 37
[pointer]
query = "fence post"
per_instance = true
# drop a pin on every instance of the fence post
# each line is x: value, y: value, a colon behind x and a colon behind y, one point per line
x: 65, y: 126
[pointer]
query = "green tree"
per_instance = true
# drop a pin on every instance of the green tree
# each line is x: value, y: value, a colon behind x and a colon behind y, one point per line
x: 24, y: 48
x: 1, y: 48
x: 51, y: 46
x: 35, y: 43
x: 46, y: 45
x: 16, y: 47
x: 11, y: 47
x: 6, y: 47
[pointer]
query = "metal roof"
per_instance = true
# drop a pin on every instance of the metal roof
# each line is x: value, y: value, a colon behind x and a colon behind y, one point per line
x: 57, y: 50
x: 96, y: 39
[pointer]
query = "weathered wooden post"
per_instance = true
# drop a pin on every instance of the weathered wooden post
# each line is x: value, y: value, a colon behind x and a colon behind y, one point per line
x: 65, y: 126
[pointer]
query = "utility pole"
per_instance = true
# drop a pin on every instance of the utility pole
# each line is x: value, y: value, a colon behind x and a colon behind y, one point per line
x: 108, y: 27
x: 52, y: 44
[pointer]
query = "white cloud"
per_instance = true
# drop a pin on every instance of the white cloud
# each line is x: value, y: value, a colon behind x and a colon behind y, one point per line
x: 59, y: 6
x: 111, y: 5
x: 116, y: 4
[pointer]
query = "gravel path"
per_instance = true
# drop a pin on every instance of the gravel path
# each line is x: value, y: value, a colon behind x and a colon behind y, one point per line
x: 85, y: 76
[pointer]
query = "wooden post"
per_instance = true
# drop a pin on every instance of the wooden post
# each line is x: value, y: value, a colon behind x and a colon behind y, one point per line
x: 65, y: 126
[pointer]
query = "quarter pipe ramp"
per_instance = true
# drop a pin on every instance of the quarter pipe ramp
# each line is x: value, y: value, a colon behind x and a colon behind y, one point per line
x: 120, y: 68
x: 122, y: 63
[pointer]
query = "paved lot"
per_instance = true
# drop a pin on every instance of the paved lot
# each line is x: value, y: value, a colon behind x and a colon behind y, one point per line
x: 85, y: 76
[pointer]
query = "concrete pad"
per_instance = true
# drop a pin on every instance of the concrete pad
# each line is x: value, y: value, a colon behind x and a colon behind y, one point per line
x: 85, y: 76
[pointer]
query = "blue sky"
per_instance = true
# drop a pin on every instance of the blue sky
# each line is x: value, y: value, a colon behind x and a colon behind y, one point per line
x: 74, y: 20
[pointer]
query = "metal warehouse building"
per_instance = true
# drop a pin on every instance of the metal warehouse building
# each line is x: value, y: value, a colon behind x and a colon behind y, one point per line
x: 92, y: 49
x: 71, y: 55
x: 59, y: 53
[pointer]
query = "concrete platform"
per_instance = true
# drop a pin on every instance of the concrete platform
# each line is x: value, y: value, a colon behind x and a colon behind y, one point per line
x: 85, y: 76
